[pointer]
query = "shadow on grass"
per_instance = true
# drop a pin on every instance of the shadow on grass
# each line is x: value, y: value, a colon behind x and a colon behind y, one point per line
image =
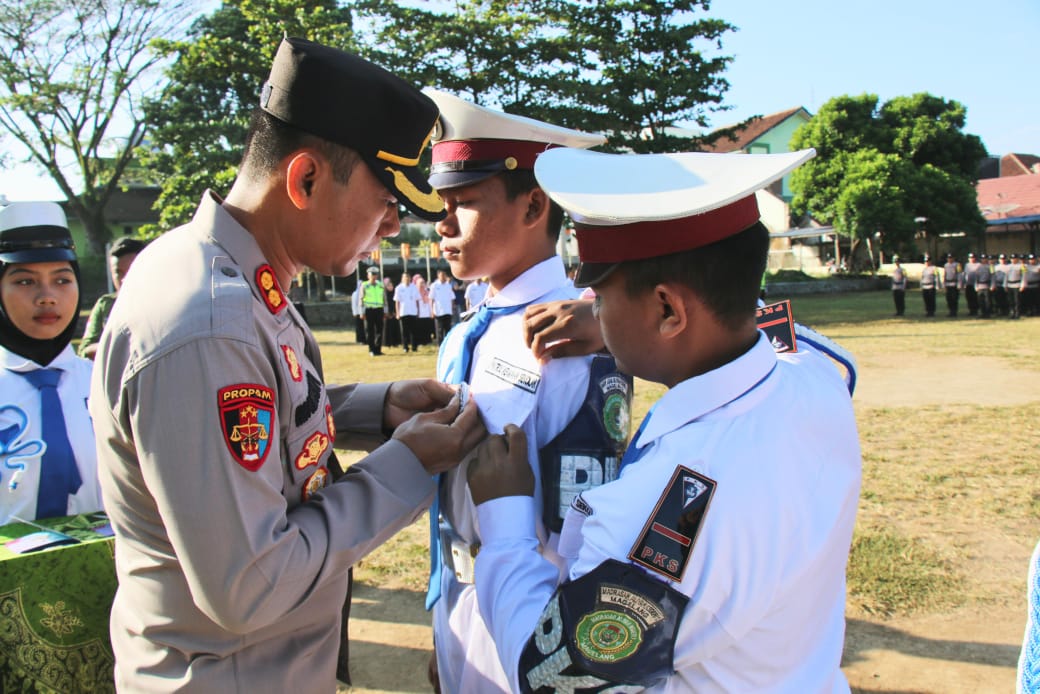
x: 862, y: 636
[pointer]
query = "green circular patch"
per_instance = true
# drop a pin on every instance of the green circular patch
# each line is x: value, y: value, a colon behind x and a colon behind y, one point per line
x: 608, y: 636
x: 615, y: 416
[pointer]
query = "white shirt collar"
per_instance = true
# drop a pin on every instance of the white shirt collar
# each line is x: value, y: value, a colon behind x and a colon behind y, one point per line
x: 532, y: 284
x: 15, y: 362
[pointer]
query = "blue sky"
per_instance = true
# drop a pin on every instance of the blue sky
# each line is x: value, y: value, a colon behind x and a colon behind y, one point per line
x: 804, y: 52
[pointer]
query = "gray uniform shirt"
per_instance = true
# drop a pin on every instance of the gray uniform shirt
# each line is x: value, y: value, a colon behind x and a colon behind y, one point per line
x: 214, y: 434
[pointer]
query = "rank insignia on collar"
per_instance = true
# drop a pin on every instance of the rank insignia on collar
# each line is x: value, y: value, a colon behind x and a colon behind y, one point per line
x: 247, y: 419
x: 330, y: 422
x: 316, y: 444
x: 316, y: 482
x: 666, y: 542
x: 294, y: 364
x: 267, y: 283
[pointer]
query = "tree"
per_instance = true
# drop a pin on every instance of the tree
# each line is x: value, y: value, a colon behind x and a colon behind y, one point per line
x: 200, y: 123
x: 72, y: 77
x: 877, y: 170
x: 626, y: 68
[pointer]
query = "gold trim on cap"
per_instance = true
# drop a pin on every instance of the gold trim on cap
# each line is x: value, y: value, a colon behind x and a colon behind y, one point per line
x: 431, y: 202
x: 510, y: 163
x: 405, y: 161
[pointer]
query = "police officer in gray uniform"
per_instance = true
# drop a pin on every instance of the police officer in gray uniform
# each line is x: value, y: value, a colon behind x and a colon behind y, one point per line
x: 1013, y: 278
x: 929, y: 281
x: 983, y: 282
x: 215, y: 430
x: 953, y: 280
x: 898, y: 286
x: 1000, y: 297
x: 1031, y: 284
x: 970, y: 297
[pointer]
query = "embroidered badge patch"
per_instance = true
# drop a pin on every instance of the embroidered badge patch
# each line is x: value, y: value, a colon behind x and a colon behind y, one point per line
x: 667, y: 539
x: 247, y: 419
x: 777, y: 322
x: 269, y: 289
x: 315, y: 482
x: 617, y: 395
x: 316, y: 444
x: 514, y: 375
x: 330, y: 422
x: 293, y: 363
x: 608, y: 636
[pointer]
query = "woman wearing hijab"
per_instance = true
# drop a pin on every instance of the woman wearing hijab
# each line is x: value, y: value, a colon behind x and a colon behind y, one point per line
x: 424, y: 325
x: 48, y: 466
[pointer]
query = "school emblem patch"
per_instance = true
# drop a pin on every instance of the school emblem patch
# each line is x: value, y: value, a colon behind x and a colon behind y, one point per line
x: 246, y: 419
x: 316, y: 482
x: 316, y: 444
x: 269, y: 289
x: 293, y: 363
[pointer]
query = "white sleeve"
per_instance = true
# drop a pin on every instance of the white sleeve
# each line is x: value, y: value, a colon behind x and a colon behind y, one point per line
x: 514, y: 582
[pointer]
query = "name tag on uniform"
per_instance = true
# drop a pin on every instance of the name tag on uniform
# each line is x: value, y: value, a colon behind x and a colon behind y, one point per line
x: 514, y: 375
x: 666, y: 542
x: 777, y: 322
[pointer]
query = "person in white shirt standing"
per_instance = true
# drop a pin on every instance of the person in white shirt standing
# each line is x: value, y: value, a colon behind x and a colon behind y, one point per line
x: 443, y: 295
x: 48, y: 465
x: 406, y: 301
x: 476, y: 291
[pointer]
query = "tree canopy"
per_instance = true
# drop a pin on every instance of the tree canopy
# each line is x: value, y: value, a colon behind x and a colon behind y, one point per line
x: 626, y: 68
x: 72, y: 76
x: 881, y: 170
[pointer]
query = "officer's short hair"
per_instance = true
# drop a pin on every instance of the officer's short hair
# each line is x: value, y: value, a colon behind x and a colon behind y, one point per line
x: 521, y: 182
x: 725, y: 275
x: 270, y: 140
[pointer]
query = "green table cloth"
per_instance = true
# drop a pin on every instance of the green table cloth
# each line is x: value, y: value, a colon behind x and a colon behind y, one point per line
x: 54, y: 607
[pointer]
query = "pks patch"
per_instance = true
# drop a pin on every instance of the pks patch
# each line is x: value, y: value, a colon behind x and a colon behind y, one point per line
x: 293, y: 363
x: 666, y: 542
x: 316, y: 482
x: 514, y: 375
x: 269, y: 289
x: 330, y: 422
x: 777, y: 322
x: 316, y: 444
x: 247, y: 419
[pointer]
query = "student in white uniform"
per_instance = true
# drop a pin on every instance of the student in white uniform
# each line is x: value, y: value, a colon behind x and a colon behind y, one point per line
x: 48, y: 466
x: 716, y: 562
x: 501, y: 225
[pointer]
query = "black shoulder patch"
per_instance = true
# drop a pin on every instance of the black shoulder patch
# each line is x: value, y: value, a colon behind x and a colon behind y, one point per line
x: 667, y: 540
x: 777, y: 322
x: 309, y: 406
x: 612, y: 629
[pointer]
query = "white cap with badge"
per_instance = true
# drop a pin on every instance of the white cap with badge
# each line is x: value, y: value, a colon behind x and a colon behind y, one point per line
x: 471, y: 142
x: 636, y: 206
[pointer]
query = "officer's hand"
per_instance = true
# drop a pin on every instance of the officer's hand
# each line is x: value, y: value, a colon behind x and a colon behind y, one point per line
x: 562, y: 329
x: 406, y: 398
x: 442, y: 438
x: 500, y: 467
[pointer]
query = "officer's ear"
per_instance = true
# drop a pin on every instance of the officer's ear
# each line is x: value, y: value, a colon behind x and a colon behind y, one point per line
x: 537, y: 206
x: 672, y: 304
x: 301, y: 173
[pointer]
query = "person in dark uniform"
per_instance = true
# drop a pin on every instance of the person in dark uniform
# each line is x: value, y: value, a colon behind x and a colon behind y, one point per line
x: 898, y: 286
x: 373, y: 299
x: 929, y: 281
x: 953, y: 280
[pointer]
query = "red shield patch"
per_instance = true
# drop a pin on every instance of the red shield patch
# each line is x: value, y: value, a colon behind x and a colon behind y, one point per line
x: 247, y: 420
x: 293, y: 363
x: 331, y: 423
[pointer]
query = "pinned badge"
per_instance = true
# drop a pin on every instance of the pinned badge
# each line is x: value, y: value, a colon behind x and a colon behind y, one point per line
x: 294, y: 364
x: 269, y: 289
x: 247, y: 418
x: 315, y: 483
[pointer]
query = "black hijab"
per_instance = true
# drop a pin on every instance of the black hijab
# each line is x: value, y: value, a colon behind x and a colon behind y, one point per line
x: 42, y: 352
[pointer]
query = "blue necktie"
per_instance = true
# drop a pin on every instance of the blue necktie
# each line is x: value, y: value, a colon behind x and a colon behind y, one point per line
x: 455, y: 370
x: 59, y: 476
x: 633, y: 454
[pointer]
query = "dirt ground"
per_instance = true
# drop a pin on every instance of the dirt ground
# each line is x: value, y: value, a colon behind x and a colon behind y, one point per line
x: 965, y: 650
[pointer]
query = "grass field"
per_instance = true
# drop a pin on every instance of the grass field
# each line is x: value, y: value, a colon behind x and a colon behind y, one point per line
x: 947, y: 413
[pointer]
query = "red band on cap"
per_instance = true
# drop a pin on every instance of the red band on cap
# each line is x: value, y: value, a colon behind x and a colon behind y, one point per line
x: 524, y: 151
x: 639, y: 240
